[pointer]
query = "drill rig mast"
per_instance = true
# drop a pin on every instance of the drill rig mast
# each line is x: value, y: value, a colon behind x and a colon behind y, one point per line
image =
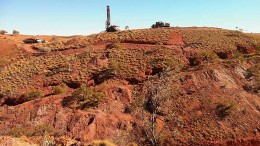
x: 109, y: 27
x: 108, y: 22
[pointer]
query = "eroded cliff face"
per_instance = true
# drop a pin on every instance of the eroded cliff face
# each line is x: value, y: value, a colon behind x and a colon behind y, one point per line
x: 208, y: 80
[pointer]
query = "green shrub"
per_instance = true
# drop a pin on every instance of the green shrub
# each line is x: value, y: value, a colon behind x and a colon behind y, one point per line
x: 86, y: 97
x: 174, y: 63
x: 208, y: 56
x: 116, y: 66
x: 61, y: 89
x: 167, y: 63
x: 34, y: 94
x: 84, y: 93
x: 225, y: 108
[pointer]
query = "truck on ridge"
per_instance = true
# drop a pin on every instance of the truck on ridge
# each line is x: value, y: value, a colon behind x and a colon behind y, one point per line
x: 161, y: 24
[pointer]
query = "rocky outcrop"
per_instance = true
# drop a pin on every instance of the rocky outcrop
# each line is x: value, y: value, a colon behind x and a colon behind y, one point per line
x: 83, y: 126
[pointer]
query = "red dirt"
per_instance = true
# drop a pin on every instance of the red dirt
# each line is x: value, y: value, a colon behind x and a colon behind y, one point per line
x: 176, y: 40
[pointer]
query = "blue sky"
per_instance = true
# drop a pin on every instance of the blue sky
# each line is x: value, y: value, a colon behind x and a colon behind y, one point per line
x: 83, y: 17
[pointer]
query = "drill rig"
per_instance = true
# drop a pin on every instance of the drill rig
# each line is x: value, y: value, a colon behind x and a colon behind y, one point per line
x: 109, y: 27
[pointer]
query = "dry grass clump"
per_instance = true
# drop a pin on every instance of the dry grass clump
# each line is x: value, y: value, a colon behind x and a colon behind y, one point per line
x: 38, y: 130
x: 163, y: 58
x: 61, y: 89
x: 208, y: 56
x: 34, y: 94
x: 17, y: 131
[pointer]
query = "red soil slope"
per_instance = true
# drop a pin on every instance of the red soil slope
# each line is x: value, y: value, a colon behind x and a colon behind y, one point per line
x: 212, y: 88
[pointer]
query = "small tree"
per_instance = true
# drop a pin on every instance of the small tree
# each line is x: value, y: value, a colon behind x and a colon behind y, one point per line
x: 15, y: 32
x: 3, y: 32
x: 158, y: 91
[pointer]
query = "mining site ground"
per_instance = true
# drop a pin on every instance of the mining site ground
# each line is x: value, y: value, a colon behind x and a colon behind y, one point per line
x: 194, y: 86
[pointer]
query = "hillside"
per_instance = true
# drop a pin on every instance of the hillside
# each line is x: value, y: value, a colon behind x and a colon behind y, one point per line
x: 200, y: 84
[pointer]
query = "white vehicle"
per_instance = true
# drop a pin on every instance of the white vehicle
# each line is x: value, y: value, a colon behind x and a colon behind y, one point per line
x: 33, y: 40
x: 40, y: 40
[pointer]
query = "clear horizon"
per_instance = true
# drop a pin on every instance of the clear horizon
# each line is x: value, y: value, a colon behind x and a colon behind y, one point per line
x: 84, y: 17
